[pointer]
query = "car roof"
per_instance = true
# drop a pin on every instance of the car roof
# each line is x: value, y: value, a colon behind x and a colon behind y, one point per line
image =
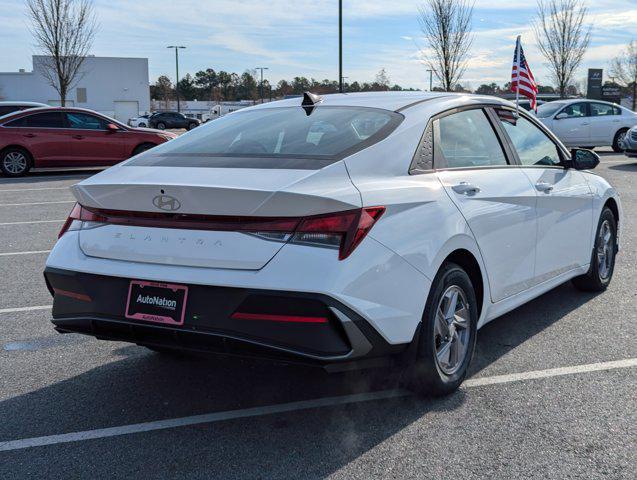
x: 48, y: 108
x: 26, y: 104
x: 395, y: 101
x: 569, y: 101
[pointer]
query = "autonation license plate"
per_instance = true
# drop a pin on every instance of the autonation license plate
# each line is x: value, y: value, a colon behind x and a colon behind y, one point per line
x: 156, y: 302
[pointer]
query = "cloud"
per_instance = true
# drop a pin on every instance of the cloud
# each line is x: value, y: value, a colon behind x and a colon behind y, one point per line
x: 300, y: 37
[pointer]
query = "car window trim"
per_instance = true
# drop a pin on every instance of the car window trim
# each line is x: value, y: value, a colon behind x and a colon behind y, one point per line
x: 68, y: 127
x: 561, y: 150
x: 508, y: 153
x: 5, y: 124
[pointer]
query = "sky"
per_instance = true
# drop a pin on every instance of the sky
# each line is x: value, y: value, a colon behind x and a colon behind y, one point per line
x: 300, y: 37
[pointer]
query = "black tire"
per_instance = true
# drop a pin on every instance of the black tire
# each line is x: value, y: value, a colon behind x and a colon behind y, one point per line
x: 142, y: 148
x: 426, y: 376
x: 192, y: 125
x: 161, y: 125
x: 15, y: 162
x: 616, y: 147
x: 595, y: 280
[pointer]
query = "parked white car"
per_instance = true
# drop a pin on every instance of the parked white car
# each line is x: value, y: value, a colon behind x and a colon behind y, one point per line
x: 141, y: 121
x: 348, y: 231
x: 8, y: 107
x: 587, y: 123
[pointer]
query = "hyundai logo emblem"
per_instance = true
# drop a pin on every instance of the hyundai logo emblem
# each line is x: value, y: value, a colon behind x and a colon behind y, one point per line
x: 166, y: 202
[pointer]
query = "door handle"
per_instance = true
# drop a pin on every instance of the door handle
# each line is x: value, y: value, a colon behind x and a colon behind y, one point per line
x: 585, y: 123
x: 29, y: 135
x: 544, y: 187
x: 78, y: 137
x: 465, y: 188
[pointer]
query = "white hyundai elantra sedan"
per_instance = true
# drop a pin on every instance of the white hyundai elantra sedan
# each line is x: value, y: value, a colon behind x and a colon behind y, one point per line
x: 346, y: 231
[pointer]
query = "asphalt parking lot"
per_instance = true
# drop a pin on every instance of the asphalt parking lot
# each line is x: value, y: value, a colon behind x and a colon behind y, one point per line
x: 552, y: 392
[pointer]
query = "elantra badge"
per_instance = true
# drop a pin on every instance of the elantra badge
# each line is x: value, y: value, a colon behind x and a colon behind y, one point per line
x: 166, y: 202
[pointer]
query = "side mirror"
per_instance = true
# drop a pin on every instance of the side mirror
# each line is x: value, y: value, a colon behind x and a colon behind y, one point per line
x: 582, y: 159
x: 112, y: 128
x: 561, y: 116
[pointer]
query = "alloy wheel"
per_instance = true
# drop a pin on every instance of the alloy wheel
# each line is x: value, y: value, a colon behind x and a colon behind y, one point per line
x: 15, y: 162
x: 604, y: 250
x: 452, y: 330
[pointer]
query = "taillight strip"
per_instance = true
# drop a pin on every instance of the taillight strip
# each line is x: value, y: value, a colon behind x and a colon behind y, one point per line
x: 74, y: 295
x: 351, y: 225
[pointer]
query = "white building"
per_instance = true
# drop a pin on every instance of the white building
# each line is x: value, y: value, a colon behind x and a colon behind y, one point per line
x: 117, y: 87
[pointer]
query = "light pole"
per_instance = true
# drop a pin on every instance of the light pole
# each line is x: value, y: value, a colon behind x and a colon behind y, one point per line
x: 176, y: 47
x: 431, y: 79
x: 340, y: 46
x: 343, y: 79
x: 261, y: 84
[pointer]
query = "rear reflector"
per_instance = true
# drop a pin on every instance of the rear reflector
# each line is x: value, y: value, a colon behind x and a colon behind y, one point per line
x: 277, y: 318
x: 342, y: 230
x: 74, y: 295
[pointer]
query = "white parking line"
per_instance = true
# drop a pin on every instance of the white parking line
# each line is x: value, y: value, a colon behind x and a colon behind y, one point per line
x: 291, y: 407
x: 32, y: 222
x: 551, y: 372
x: 32, y: 252
x: 34, y: 203
x: 25, y: 309
x: 33, y: 189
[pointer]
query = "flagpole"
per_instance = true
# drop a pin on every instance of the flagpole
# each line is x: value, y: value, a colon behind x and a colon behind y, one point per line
x: 517, y: 76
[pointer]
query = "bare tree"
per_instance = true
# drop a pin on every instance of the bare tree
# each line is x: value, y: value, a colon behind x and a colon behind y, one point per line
x: 382, y: 79
x: 624, y: 68
x: 563, y: 37
x: 64, y: 31
x: 446, y: 26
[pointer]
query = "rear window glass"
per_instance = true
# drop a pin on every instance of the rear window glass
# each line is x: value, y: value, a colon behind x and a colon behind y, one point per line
x: 258, y: 138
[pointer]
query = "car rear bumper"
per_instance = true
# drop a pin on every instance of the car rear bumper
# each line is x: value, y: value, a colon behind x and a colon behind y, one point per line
x: 95, y: 305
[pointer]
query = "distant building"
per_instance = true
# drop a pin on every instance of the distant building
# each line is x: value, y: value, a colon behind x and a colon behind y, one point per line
x: 117, y: 87
x: 200, y: 109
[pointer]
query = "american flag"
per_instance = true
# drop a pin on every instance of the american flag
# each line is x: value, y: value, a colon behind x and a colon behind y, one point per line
x: 521, y: 77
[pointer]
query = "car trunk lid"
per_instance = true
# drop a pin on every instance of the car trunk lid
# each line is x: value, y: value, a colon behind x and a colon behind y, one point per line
x: 219, y: 195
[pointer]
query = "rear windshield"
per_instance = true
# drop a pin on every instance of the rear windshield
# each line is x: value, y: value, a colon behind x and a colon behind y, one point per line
x: 283, y: 137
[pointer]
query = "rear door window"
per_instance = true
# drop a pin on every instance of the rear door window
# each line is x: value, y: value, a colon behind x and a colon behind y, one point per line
x: 603, y: 110
x: 466, y: 140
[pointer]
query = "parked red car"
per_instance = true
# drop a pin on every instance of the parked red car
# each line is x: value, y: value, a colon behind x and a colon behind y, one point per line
x: 69, y: 137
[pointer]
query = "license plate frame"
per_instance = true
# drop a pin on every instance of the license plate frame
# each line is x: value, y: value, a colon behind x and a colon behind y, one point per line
x: 156, y: 306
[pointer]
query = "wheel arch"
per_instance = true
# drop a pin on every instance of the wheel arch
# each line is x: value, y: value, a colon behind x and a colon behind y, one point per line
x: 21, y: 147
x: 466, y: 260
x: 463, y: 250
x: 141, y: 144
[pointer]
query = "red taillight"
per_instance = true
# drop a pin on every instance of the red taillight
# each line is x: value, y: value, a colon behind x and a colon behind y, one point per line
x: 74, y: 215
x: 347, y: 228
x: 344, y: 230
x: 81, y: 214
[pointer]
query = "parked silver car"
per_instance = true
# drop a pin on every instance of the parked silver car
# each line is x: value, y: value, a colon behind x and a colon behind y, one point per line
x: 629, y: 143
